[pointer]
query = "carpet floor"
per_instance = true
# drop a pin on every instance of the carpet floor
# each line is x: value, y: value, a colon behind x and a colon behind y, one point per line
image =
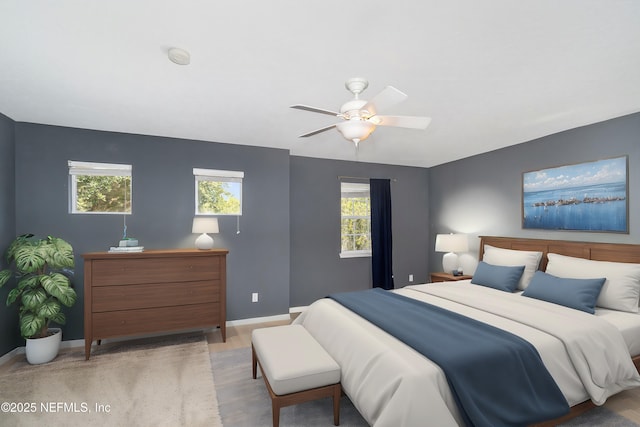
x: 600, y: 417
x: 153, y: 382
x: 245, y: 402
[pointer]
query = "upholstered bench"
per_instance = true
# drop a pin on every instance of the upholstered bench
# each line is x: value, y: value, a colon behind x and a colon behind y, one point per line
x: 295, y: 368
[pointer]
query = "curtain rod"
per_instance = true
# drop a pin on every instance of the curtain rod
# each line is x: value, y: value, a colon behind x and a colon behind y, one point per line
x: 362, y: 178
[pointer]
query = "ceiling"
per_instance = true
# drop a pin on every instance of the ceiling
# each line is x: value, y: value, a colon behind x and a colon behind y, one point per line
x: 490, y: 73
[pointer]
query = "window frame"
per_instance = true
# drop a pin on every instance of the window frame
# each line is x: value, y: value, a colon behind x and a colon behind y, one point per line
x: 357, y: 188
x: 82, y: 168
x: 217, y: 175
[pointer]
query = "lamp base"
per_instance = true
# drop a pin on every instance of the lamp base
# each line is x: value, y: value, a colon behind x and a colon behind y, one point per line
x: 204, y: 241
x: 449, y: 262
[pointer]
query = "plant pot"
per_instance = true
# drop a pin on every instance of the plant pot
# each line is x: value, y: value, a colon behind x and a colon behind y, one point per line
x: 43, y: 350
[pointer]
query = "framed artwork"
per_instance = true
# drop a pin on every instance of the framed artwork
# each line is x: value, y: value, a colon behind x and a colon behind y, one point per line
x: 589, y: 196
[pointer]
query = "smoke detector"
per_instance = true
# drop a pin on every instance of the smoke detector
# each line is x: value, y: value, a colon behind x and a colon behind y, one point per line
x: 179, y: 56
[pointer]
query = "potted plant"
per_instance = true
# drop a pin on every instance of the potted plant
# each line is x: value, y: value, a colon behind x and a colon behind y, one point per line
x: 42, y: 268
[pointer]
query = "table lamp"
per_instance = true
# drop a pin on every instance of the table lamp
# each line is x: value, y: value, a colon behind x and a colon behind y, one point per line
x: 451, y: 243
x: 204, y: 225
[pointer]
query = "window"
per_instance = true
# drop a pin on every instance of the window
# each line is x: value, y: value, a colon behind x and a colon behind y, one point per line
x: 218, y: 192
x: 355, y: 215
x: 99, y: 188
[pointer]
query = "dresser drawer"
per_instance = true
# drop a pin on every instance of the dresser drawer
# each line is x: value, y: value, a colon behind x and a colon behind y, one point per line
x: 135, y: 322
x: 112, y: 298
x: 133, y: 271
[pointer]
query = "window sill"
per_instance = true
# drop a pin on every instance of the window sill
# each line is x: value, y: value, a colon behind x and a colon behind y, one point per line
x: 355, y: 254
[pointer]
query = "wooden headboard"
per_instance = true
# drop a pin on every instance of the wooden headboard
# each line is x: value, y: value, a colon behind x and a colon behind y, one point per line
x: 617, y: 252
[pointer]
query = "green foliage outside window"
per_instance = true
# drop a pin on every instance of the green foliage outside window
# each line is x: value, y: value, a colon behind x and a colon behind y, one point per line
x: 215, y: 197
x: 356, y: 224
x: 103, y: 194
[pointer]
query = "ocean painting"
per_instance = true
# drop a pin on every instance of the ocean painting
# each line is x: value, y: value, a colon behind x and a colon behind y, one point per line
x: 586, y: 197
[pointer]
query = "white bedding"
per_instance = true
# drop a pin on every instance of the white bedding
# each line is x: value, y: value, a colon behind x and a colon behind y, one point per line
x: 627, y: 323
x: 393, y: 385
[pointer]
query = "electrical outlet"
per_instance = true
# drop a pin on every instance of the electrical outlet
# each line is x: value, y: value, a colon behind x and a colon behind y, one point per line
x: 411, y: 277
x: 254, y: 297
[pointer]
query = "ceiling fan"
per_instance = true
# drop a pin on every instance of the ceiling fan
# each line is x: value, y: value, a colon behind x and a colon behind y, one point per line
x: 360, y: 117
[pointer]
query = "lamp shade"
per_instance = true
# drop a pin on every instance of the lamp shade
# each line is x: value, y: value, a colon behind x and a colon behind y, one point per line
x: 452, y: 243
x: 356, y: 130
x: 205, y: 225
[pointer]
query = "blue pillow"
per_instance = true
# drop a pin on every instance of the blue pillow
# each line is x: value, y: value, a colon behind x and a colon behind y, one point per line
x: 497, y: 276
x: 580, y: 294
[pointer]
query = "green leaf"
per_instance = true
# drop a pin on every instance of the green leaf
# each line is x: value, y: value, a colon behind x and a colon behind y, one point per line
x: 17, y: 243
x: 29, y: 259
x: 58, y: 253
x: 5, y: 275
x: 32, y: 298
x: 59, y: 318
x: 31, y: 325
x: 49, y: 309
x: 13, y: 296
x: 29, y: 282
x: 58, y: 286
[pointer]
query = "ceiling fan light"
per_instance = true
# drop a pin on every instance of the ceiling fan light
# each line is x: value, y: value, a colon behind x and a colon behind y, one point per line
x: 356, y: 130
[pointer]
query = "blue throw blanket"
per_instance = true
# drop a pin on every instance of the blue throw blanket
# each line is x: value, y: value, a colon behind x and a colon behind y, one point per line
x: 497, y: 378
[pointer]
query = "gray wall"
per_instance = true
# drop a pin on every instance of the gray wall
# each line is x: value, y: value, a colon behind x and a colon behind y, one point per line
x: 163, y: 206
x: 9, y: 335
x: 482, y: 195
x: 316, y: 269
x: 289, y: 242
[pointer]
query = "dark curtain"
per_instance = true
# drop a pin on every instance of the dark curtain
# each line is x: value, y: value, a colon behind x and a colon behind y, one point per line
x: 381, y: 240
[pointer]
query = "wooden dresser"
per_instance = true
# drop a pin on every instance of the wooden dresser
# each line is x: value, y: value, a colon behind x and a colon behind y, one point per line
x: 153, y: 291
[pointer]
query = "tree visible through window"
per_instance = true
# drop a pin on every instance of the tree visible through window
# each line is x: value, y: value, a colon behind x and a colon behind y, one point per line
x: 218, y: 192
x: 355, y: 216
x: 100, y: 188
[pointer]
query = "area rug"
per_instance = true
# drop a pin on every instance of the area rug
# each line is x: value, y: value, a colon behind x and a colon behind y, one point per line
x: 153, y: 382
x: 244, y: 402
x: 599, y: 417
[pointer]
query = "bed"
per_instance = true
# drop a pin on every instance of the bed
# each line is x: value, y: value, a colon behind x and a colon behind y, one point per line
x: 590, y: 356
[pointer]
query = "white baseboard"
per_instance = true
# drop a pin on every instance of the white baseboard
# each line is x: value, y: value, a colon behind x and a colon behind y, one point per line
x: 268, y: 318
x: 72, y: 343
x: 258, y: 320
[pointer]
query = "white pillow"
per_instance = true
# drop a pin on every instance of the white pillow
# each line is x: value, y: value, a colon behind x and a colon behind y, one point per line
x: 513, y: 258
x: 620, y: 291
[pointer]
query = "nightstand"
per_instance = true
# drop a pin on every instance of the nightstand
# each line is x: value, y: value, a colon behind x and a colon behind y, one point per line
x: 446, y: 277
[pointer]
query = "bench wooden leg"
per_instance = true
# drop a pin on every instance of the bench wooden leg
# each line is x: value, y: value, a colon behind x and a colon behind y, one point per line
x: 275, y: 410
x: 337, y: 392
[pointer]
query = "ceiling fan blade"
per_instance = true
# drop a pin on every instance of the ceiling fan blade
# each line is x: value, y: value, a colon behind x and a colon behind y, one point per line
x: 314, y: 109
x: 388, y: 97
x: 411, y: 122
x: 317, y: 131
